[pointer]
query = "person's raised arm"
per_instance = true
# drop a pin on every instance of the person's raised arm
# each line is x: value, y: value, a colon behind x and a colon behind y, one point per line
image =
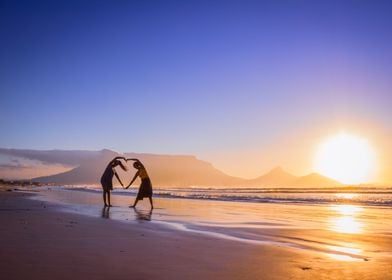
x: 133, y: 179
x: 137, y: 160
x: 118, y: 178
x: 116, y: 158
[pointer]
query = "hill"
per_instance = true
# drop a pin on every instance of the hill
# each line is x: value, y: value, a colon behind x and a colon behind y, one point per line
x: 276, y: 177
x: 315, y: 180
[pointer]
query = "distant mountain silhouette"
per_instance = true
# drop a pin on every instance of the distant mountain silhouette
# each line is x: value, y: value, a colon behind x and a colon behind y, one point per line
x: 315, y: 180
x: 164, y: 170
x: 169, y: 170
x: 276, y: 177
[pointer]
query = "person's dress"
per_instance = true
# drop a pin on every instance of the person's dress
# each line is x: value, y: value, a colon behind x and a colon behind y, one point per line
x: 145, y: 189
x: 107, y: 178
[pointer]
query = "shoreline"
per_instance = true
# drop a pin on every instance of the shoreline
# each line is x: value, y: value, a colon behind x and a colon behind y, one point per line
x: 373, y: 197
x: 45, y: 242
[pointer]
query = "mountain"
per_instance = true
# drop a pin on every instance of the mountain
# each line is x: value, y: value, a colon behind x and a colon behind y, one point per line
x: 164, y: 170
x: 170, y: 170
x: 86, y: 167
x: 276, y: 177
x: 315, y: 180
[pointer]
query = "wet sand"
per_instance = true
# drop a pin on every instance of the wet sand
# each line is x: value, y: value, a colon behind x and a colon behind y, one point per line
x: 42, y: 239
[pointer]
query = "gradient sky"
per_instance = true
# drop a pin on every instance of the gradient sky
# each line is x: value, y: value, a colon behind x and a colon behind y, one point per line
x: 246, y: 85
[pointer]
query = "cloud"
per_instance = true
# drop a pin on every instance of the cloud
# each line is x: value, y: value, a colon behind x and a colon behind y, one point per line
x: 15, y: 166
x: 70, y: 158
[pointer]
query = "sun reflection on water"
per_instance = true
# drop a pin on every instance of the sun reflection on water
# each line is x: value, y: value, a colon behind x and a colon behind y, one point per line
x: 353, y: 254
x: 346, y: 225
x: 342, y: 257
x: 346, y: 221
x: 346, y: 195
x: 347, y: 210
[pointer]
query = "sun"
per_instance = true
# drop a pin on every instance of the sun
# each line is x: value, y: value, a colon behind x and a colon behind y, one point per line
x: 348, y: 158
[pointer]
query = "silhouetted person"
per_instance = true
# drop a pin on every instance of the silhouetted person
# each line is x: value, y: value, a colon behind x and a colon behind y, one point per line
x: 145, y: 189
x: 107, y: 178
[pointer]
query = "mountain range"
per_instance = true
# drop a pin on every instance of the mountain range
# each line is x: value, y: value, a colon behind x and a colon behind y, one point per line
x: 86, y: 167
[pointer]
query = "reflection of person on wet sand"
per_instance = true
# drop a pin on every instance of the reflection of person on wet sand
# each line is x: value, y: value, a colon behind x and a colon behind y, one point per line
x: 107, y: 178
x: 143, y: 215
x: 145, y: 189
x: 105, y: 212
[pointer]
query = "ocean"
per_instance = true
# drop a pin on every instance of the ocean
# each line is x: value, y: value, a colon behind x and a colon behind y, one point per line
x: 367, y: 196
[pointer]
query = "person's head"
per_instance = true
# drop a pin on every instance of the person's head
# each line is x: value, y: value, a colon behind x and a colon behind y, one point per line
x: 118, y: 162
x: 137, y: 165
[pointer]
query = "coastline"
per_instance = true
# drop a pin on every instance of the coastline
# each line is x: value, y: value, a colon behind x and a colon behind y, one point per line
x: 42, y: 241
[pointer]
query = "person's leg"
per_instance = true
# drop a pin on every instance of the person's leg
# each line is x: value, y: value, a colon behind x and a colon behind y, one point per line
x: 109, y: 198
x: 152, y: 206
x: 134, y: 204
x: 104, y: 198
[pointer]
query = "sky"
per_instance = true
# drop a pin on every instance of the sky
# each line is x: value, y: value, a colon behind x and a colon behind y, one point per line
x: 246, y: 85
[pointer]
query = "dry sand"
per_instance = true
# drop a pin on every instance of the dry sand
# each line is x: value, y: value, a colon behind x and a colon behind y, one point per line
x: 38, y: 241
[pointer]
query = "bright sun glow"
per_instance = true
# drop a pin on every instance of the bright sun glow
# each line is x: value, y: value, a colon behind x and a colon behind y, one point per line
x: 347, y: 158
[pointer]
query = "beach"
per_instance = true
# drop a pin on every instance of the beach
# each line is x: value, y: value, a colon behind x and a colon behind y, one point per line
x: 61, y: 234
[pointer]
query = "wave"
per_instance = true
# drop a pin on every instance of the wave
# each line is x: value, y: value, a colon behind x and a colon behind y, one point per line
x: 357, y: 190
x: 369, y: 196
x: 380, y: 201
